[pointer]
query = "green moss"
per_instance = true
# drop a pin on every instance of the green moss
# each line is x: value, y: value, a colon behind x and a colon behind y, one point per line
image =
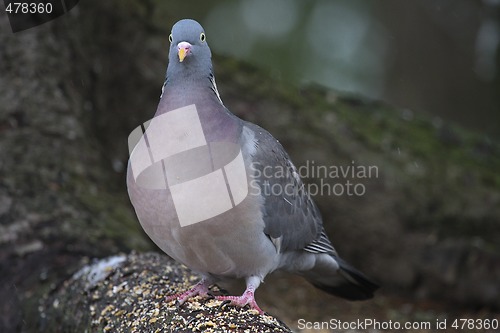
x: 442, y: 173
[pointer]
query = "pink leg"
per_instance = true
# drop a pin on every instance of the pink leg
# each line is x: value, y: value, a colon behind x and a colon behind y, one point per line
x: 201, y: 288
x: 247, y: 298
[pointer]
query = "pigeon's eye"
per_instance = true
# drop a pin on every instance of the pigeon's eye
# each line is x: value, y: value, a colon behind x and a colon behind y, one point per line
x: 202, y: 37
x: 170, y: 38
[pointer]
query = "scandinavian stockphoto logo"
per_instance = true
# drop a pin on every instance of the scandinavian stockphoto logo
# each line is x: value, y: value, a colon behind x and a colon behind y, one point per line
x: 318, y: 180
x: 205, y: 179
x: 28, y: 14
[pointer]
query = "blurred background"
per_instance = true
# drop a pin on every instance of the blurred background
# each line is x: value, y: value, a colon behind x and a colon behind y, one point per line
x: 435, y: 56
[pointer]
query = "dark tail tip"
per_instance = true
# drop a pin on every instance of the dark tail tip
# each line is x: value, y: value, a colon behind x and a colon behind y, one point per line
x: 355, y: 286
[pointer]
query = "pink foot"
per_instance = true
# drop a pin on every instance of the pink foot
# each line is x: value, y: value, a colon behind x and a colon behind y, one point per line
x: 246, y: 299
x: 201, y: 288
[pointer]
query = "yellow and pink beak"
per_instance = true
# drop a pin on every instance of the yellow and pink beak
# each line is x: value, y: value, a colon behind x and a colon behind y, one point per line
x: 183, y: 50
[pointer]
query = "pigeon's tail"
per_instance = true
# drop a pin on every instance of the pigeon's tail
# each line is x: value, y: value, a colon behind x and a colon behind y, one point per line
x: 347, y: 282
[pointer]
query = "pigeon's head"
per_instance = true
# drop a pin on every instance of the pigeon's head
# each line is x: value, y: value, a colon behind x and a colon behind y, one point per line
x: 189, y: 51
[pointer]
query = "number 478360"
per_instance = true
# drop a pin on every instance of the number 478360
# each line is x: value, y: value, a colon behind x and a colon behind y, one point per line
x: 28, y: 8
x: 475, y: 324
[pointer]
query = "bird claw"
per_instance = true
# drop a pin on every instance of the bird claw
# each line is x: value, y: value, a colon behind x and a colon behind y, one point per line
x: 199, y: 289
x: 246, y: 299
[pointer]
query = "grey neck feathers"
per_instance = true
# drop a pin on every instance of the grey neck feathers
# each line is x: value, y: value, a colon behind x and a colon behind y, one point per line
x: 204, y: 81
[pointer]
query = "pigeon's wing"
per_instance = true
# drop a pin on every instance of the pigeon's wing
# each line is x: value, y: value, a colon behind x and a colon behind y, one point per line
x: 292, y: 219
